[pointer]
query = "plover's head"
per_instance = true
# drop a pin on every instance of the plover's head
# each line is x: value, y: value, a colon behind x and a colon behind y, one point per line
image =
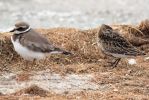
x: 21, y: 27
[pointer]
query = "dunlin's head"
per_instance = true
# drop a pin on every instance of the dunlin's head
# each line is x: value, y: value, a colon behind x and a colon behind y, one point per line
x: 104, y: 30
x: 105, y: 27
x: 21, y: 27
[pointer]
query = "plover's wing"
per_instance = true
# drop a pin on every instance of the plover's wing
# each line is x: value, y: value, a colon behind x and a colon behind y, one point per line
x: 38, y: 43
x: 115, y: 43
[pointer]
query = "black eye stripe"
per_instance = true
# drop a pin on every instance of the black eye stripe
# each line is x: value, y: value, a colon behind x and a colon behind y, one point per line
x: 21, y: 29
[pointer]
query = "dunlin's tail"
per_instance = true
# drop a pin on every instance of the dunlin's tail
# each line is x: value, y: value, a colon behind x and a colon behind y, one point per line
x: 66, y: 53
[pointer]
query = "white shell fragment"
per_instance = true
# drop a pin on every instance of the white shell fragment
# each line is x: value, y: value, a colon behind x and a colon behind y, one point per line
x: 132, y: 61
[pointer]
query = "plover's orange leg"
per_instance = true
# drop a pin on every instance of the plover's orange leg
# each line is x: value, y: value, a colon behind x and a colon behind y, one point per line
x: 34, y: 62
x: 26, y: 65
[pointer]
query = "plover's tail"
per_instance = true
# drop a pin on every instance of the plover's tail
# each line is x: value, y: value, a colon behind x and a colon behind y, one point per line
x: 58, y: 50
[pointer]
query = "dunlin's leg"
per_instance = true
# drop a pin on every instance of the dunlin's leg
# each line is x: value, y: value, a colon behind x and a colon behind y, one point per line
x: 116, y: 62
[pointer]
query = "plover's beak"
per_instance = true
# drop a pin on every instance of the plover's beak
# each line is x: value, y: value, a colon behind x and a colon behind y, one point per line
x: 12, y: 30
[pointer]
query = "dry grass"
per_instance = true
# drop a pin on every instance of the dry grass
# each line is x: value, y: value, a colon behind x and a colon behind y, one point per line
x: 87, y: 58
x: 81, y: 43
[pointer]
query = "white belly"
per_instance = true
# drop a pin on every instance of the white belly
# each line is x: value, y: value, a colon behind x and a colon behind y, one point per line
x: 26, y: 53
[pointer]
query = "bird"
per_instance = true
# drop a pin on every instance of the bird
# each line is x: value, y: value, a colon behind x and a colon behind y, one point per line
x: 114, y: 45
x: 32, y: 45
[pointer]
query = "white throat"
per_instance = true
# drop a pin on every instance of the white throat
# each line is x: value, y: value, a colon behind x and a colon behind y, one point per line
x: 19, y: 32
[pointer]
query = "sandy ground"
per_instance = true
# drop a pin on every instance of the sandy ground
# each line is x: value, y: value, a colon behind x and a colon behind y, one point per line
x: 81, y: 76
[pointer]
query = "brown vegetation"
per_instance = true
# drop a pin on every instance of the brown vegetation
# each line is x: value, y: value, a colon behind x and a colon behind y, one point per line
x: 87, y: 58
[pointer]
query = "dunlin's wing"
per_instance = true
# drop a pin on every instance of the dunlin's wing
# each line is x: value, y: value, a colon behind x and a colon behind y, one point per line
x: 38, y: 43
x: 115, y: 43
